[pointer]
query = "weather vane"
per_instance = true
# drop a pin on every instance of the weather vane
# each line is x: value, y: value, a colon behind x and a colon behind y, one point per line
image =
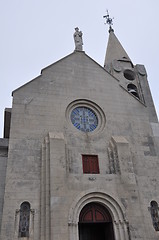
x: 108, y: 21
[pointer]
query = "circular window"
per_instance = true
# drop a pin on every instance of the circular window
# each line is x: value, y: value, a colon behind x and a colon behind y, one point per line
x: 129, y: 74
x: 86, y: 116
x: 84, y: 119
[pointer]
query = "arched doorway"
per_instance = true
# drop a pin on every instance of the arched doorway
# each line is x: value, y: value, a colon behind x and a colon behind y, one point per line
x: 95, y: 223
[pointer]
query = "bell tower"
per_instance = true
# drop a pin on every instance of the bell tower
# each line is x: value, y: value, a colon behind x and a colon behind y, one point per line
x: 133, y: 78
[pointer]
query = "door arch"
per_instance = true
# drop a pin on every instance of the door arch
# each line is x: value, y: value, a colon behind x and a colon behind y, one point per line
x: 114, y: 207
x: 95, y: 223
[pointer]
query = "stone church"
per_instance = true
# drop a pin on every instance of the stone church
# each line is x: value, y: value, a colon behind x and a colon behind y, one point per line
x: 80, y: 155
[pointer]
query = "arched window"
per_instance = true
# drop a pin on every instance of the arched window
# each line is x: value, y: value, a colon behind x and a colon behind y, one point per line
x: 24, y: 219
x: 95, y: 223
x: 154, y: 214
x: 133, y: 90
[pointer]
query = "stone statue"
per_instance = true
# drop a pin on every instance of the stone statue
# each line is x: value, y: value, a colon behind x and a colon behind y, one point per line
x: 78, y: 39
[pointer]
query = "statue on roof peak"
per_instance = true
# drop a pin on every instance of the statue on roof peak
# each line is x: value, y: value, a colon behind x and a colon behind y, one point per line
x: 78, y: 39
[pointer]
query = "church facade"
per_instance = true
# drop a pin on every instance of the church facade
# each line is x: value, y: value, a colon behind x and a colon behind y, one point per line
x: 80, y: 155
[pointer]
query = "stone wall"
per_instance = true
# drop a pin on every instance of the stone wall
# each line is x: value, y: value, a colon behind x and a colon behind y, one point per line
x: 3, y: 165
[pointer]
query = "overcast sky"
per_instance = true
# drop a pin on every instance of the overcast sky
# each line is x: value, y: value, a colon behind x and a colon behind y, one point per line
x: 36, y: 33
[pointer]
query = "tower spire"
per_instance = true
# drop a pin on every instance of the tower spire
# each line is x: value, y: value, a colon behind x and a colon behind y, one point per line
x: 115, y: 50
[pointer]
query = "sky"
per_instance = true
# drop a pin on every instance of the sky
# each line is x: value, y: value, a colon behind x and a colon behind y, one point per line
x: 37, y: 33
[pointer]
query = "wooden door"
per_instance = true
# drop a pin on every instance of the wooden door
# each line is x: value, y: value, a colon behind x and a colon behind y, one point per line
x: 95, y: 223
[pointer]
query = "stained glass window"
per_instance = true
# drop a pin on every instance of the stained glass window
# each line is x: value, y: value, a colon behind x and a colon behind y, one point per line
x: 24, y: 219
x: 84, y: 119
x: 154, y: 214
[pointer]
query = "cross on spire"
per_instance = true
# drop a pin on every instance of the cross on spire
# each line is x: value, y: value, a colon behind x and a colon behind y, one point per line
x: 108, y: 21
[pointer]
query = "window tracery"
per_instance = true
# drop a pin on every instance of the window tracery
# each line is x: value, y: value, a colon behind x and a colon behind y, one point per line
x: 24, y: 220
x: 154, y: 214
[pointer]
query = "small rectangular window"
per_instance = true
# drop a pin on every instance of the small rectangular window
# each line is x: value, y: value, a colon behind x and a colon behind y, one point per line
x: 90, y: 164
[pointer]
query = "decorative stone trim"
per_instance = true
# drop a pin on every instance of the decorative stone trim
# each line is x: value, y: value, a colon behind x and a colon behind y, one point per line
x: 31, y: 225
x: 120, y: 224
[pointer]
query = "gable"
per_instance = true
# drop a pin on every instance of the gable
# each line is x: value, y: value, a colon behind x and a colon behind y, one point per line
x: 76, y: 76
x: 73, y: 64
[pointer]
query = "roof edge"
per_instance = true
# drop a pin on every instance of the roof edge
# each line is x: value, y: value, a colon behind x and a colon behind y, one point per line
x: 74, y: 52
